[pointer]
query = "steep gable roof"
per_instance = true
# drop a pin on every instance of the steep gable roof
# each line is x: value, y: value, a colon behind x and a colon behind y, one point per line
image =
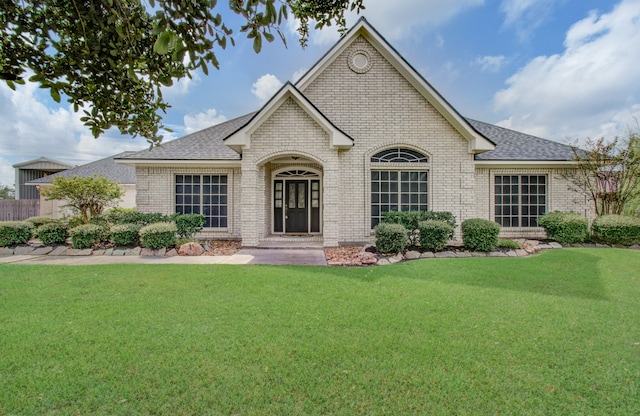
x: 477, y: 142
x: 241, y: 138
x: 513, y: 145
x: 106, y: 167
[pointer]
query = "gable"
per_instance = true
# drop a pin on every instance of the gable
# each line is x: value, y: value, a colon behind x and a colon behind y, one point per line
x: 379, y: 76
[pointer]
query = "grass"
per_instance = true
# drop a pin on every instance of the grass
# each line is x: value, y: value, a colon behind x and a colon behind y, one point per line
x: 554, y: 334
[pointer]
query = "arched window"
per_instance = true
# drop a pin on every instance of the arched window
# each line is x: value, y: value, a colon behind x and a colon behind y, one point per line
x: 399, y: 182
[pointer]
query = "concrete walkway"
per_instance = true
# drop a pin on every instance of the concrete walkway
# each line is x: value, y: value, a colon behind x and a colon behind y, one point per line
x: 245, y: 256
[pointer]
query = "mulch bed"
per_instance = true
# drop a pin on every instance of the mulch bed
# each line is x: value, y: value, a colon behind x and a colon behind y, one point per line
x: 221, y: 247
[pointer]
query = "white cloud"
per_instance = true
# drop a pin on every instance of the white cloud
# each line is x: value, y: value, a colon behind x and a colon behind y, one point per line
x: 266, y: 86
x: 526, y: 15
x: 7, y: 173
x: 181, y: 87
x: 399, y: 19
x: 591, y: 89
x: 203, y: 120
x: 298, y: 74
x: 491, y: 63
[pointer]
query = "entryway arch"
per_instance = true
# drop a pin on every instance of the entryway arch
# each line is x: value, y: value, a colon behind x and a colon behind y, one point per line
x: 296, y: 200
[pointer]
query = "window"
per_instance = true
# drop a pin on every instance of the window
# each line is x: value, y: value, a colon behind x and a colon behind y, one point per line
x: 203, y: 194
x: 520, y: 199
x: 398, y: 189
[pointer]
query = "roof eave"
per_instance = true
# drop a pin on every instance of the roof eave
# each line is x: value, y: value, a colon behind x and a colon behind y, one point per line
x: 179, y: 162
x: 531, y: 164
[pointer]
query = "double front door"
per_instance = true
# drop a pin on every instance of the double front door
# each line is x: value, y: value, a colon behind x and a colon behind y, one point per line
x: 296, y: 206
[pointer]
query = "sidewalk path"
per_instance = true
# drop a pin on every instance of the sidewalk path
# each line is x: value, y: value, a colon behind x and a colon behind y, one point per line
x: 245, y: 256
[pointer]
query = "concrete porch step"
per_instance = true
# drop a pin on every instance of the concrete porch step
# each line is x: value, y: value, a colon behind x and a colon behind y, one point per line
x: 292, y: 242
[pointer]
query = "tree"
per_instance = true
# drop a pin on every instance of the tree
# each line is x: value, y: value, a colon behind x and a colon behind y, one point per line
x: 111, y: 58
x: 6, y: 192
x: 608, y: 172
x: 85, y: 195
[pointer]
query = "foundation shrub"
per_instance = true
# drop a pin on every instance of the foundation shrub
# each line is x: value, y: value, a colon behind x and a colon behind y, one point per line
x: 124, y: 234
x: 434, y: 234
x: 479, y: 234
x: 616, y: 229
x: 52, y: 233
x: 86, y: 235
x: 14, y: 232
x: 565, y: 227
x: 158, y: 235
x: 188, y: 224
x: 510, y: 244
x: 40, y: 220
x: 391, y: 238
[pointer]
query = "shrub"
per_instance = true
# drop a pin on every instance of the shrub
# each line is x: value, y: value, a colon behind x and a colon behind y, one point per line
x: 86, y: 235
x: 124, y: 234
x: 76, y: 220
x: 14, y: 232
x: 565, y: 227
x: 434, y: 234
x: 479, y: 234
x: 411, y: 219
x: 188, y: 224
x: 508, y: 244
x: 131, y: 216
x: 391, y: 238
x: 616, y: 229
x: 158, y: 235
x: 40, y: 220
x: 52, y: 233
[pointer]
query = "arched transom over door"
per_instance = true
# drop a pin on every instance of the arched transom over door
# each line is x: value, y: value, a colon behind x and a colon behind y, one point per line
x: 297, y: 202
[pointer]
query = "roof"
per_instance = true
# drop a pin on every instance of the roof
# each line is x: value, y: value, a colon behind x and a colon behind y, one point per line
x: 205, y: 144
x: 43, y: 163
x: 106, y: 167
x: 513, y: 145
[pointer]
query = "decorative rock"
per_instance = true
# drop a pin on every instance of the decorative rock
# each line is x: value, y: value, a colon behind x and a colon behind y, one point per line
x: 412, y: 255
x: 633, y: 247
x: 511, y: 253
x: 463, y: 254
x: 119, y: 251
x: 6, y: 251
x: 445, y: 254
x: 602, y: 246
x: 521, y: 253
x: 589, y: 245
x: 59, y: 251
x: 146, y: 252
x: 108, y: 252
x: 160, y: 252
x: 133, y: 251
x: 478, y: 254
x: 78, y: 252
x: 553, y: 244
x: 427, y: 255
x: 532, y: 243
x: 496, y: 254
x: 365, y: 258
x: 545, y: 246
x: 171, y: 253
x: 396, y: 259
x: 383, y: 262
x: 23, y: 250
x: 191, y: 249
x: 98, y: 252
x: 42, y: 251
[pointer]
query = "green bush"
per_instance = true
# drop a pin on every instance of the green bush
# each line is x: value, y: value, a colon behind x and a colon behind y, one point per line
x: 131, y: 216
x: 14, y: 232
x: 40, y: 220
x: 411, y: 219
x: 565, y: 227
x: 76, y: 220
x: 158, y: 235
x: 508, y: 244
x: 391, y: 238
x: 434, y: 234
x: 52, y: 233
x: 86, y: 235
x: 479, y: 234
x: 616, y: 229
x: 124, y: 234
x: 188, y: 224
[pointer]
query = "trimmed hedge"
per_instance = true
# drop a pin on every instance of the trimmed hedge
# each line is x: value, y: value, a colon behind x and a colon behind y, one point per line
x: 124, y: 234
x: 86, y: 235
x: 434, y: 234
x: 188, y: 224
x: 131, y: 216
x: 52, y: 233
x: 14, y: 232
x: 158, y: 235
x: 565, y: 227
x: 40, y: 220
x: 616, y: 229
x: 391, y: 238
x: 411, y: 219
x: 479, y: 234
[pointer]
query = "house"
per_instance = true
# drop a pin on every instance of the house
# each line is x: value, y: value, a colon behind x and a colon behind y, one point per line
x: 361, y: 133
x: 32, y: 170
x: 107, y: 167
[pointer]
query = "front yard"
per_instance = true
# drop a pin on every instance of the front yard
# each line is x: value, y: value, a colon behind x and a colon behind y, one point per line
x: 553, y: 334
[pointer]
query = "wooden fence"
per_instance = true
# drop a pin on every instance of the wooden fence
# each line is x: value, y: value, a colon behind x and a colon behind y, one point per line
x: 19, y: 209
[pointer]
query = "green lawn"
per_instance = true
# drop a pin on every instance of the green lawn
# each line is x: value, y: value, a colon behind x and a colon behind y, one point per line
x: 554, y: 334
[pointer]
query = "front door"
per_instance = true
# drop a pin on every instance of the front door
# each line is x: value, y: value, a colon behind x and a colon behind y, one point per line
x: 296, y: 206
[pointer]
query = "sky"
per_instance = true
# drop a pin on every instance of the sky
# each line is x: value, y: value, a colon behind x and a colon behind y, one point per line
x: 564, y: 70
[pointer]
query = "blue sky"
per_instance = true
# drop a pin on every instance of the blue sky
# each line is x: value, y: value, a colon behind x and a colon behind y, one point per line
x: 560, y: 69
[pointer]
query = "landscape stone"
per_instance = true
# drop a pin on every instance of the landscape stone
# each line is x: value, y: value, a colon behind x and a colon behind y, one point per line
x: 478, y: 254
x: 160, y: 252
x: 602, y: 246
x: 463, y: 254
x: 135, y: 251
x: 445, y: 254
x: 554, y: 244
x: 396, y: 259
x: 108, y: 252
x: 427, y: 255
x: 511, y: 253
x: 171, y: 253
x: 23, y: 250
x: 545, y: 247
x: 365, y: 258
x: 58, y: 251
x: 119, y: 251
x: 496, y: 254
x: 43, y: 250
x: 521, y: 253
x: 191, y: 249
x: 633, y: 247
x: 6, y: 251
x: 78, y: 252
x: 383, y: 262
x: 98, y: 252
x: 412, y: 255
x: 589, y: 245
x: 146, y: 252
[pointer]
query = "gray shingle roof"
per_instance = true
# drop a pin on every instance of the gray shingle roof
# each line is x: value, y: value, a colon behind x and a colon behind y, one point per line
x: 106, y: 167
x: 513, y: 145
x: 205, y: 144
